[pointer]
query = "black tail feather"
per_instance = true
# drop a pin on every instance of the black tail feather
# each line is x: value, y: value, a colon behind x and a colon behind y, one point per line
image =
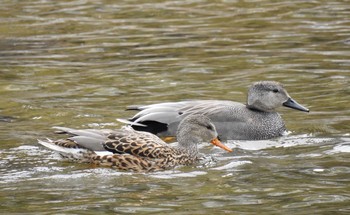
x: 151, y: 126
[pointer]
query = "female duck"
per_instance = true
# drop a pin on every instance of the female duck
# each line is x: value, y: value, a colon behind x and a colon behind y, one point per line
x: 127, y: 149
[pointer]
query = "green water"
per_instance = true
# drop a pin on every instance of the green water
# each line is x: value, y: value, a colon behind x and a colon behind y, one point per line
x: 80, y: 63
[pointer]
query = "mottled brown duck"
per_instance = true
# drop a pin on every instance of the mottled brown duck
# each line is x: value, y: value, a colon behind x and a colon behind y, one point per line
x: 127, y: 149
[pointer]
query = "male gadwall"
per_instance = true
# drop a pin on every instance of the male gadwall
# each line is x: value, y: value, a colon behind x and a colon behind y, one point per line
x: 127, y: 149
x: 255, y: 120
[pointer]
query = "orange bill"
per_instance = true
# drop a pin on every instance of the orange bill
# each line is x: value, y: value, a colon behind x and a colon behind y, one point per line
x: 217, y: 142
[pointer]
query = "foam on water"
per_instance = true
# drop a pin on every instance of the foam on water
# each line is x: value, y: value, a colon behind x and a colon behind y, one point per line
x: 285, y: 142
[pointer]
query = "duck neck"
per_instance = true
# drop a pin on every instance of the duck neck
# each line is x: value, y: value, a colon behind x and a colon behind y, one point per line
x: 189, y: 145
x: 252, y: 107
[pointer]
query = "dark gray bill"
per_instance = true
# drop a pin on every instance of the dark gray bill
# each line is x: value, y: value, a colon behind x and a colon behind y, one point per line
x: 291, y: 103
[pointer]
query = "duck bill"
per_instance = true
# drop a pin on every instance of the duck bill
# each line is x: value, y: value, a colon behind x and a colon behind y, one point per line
x: 291, y: 103
x: 217, y: 142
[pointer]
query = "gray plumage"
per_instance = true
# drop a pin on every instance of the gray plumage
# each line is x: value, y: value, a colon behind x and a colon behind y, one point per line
x: 256, y: 120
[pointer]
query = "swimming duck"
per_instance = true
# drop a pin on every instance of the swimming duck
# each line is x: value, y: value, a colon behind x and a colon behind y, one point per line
x: 127, y: 149
x: 256, y: 120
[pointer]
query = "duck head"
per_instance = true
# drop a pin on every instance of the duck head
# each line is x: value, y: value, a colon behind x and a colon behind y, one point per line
x: 268, y: 95
x: 197, y: 128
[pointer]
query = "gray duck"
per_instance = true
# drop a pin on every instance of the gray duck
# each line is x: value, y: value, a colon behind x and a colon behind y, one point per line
x: 255, y: 120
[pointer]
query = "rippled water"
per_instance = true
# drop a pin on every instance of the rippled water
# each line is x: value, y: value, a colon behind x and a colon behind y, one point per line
x: 80, y: 63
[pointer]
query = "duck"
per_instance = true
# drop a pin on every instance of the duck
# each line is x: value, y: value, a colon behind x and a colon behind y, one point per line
x: 130, y: 150
x: 255, y: 120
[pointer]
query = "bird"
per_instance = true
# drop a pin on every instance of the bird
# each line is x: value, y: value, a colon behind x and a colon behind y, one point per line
x: 137, y: 151
x: 255, y: 120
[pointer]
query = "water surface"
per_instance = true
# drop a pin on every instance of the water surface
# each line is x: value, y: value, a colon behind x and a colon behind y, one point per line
x: 80, y: 63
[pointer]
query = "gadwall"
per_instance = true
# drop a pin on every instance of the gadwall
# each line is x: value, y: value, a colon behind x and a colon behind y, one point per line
x: 127, y: 149
x: 256, y: 120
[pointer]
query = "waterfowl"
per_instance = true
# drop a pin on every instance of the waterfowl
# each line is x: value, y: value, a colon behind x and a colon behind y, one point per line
x: 127, y: 149
x: 255, y: 120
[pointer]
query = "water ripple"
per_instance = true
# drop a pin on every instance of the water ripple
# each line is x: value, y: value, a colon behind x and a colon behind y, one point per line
x: 79, y: 63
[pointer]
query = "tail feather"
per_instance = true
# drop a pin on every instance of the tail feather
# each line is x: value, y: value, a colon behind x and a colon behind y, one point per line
x: 72, y: 153
x: 128, y: 122
x: 51, y: 145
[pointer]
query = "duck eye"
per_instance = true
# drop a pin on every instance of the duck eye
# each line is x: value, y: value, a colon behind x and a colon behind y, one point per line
x: 275, y: 90
x: 209, y: 127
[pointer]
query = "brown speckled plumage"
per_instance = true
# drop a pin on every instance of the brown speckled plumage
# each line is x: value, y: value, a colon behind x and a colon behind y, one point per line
x: 127, y: 149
